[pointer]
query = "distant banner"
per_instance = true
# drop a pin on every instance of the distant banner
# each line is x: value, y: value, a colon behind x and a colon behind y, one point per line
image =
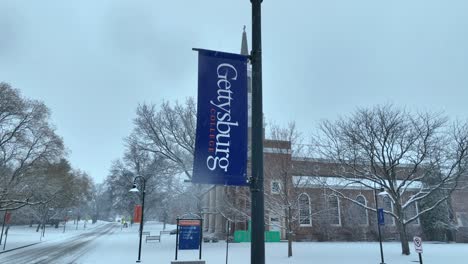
x: 7, y: 217
x: 221, y: 139
x: 381, y: 218
x: 137, y: 214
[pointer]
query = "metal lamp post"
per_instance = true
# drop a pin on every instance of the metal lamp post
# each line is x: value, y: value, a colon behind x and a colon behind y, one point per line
x: 381, y: 193
x: 135, y: 189
x: 257, y: 250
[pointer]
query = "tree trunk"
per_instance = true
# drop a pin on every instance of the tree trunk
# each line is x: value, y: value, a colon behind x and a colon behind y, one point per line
x: 449, y: 232
x: 405, y: 250
x: 289, y: 233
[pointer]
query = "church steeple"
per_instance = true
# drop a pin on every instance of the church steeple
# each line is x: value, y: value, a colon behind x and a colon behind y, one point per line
x: 244, y: 47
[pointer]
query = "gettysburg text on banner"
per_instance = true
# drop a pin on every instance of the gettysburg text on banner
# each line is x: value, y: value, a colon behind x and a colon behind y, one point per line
x: 221, y: 138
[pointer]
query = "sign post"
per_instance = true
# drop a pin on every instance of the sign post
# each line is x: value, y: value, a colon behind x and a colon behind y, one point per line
x: 418, y: 247
x: 189, y: 235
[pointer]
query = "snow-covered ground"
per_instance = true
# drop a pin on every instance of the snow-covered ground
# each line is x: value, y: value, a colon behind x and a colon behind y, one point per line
x: 121, y: 246
x: 19, y: 236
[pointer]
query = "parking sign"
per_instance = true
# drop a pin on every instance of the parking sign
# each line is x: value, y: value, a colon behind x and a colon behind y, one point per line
x: 418, y: 244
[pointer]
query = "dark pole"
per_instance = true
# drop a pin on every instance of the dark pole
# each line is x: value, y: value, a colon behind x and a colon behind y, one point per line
x: 257, y: 250
x: 378, y: 225
x: 142, y: 216
x: 227, y: 241
x: 420, y: 258
x: 201, y: 238
x: 177, y: 239
x: 3, y: 226
x: 6, y: 236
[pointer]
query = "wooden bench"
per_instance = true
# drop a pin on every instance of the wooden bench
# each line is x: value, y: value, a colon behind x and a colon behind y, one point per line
x: 146, y: 233
x: 164, y: 232
x: 188, y: 262
x: 151, y: 238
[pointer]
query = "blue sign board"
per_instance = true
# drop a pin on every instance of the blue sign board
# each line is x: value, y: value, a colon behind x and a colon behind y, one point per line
x: 381, y: 216
x: 221, y: 136
x: 189, y: 234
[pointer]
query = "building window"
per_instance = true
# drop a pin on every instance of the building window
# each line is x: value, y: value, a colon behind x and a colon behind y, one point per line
x: 387, y: 205
x: 334, y: 210
x: 275, y: 224
x: 359, y: 212
x: 304, y: 210
x: 462, y: 219
x: 275, y: 187
x: 411, y: 211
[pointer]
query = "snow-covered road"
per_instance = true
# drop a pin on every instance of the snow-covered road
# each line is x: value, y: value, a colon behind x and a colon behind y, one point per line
x: 66, y: 250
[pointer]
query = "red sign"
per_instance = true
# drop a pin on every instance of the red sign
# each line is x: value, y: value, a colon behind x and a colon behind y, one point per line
x: 137, y: 214
x: 7, y: 217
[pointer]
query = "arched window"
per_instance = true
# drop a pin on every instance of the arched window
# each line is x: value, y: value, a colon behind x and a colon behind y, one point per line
x: 387, y: 205
x: 305, y: 218
x: 361, y: 212
x: 411, y: 211
x: 334, y: 210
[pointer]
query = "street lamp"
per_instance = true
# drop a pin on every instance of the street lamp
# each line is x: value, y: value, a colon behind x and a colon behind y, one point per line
x: 135, y: 190
x: 382, y: 193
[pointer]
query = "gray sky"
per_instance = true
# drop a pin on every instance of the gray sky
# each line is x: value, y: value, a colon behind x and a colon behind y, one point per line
x: 93, y: 61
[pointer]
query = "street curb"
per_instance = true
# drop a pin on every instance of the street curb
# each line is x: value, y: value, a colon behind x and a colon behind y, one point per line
x: 19, y: 247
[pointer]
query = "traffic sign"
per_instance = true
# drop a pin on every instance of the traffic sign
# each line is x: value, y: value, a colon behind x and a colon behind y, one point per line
x: 418, y: 244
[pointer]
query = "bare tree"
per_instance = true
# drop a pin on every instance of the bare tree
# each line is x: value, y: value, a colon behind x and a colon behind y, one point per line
x: 169, y: 132
x: 156, y: 171
x: 58, y: 188
x: 26, y: 140
x: 119, y: 181
x: 394, y: 149
x: 282, y: 198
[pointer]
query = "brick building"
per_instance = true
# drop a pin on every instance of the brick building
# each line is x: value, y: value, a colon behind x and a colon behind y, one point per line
x: 298, y: 189
x: 319, y: 214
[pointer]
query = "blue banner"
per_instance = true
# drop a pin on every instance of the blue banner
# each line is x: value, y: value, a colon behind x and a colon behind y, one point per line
x: 189, y: 234
x: 221, y: 137
x: 381, y: 217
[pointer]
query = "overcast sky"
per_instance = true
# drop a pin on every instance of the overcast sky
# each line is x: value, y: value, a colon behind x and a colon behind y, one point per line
x: 93, y: 61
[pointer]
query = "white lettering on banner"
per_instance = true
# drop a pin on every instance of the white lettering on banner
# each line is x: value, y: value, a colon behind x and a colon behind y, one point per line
x: 220, y: 119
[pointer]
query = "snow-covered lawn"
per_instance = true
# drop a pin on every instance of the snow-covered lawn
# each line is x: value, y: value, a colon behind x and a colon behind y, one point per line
x: 19, y: 236
x: 121, y: 246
